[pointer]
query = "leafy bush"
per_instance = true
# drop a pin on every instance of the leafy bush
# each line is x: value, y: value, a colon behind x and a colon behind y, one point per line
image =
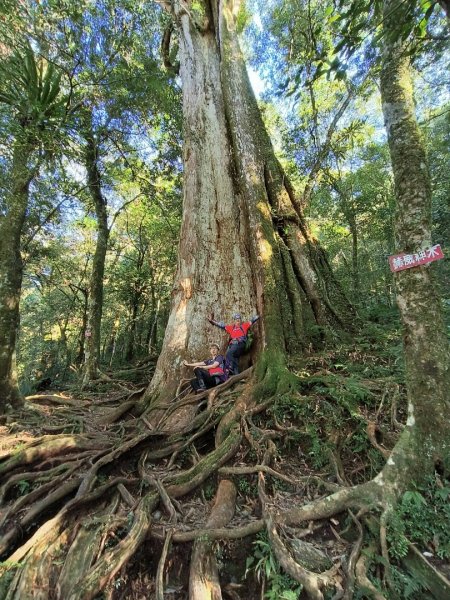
x: 279, y: 586
x: 422, y: 517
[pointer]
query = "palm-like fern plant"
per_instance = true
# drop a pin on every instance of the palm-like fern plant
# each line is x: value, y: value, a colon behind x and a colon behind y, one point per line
x: 31, y: 86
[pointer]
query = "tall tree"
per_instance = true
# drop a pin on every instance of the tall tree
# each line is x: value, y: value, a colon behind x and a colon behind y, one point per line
x: 31, y: 88
x: 427, y: 357
x: 423, y: 446
x: 95, y: 306
x: 244, y: 241
x: 247, y: 248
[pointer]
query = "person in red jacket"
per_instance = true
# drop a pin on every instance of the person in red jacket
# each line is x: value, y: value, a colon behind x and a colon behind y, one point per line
x: 237, y: 331
x: 209, y: 372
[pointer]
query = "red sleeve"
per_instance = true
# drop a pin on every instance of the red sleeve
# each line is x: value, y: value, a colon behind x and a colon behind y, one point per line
x: 246, y: 326
x: 229, y: 328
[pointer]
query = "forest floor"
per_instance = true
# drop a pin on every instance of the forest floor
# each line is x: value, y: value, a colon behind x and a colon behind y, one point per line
x: 335, y: 430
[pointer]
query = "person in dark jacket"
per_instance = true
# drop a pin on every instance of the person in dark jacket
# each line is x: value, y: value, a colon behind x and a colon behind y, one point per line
x: 208, y: 373
x: 238, y: 332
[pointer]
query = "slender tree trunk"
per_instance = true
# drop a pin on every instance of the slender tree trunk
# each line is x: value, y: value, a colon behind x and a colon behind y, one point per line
x: 355, y: 262
x: 111, y: 348
x: 79, y: 360
x: 152, y: 335
x: 244, y: 242
x: 425, y: 440
x: 63, y: 347
x: 11, y: 268
x: 92, y: 344
x: 131, y: 338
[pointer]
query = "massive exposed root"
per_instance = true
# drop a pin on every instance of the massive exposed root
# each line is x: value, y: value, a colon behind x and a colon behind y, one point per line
x: 204, y: 581
x: 93, y: 500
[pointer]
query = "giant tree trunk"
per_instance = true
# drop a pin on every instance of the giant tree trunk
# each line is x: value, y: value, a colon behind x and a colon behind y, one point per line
x: 92, y: 344
x: 425, y: 440
x: 11, y: 224
x: 244, y: 241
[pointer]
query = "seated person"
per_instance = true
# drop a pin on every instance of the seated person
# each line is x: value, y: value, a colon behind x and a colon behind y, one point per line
x: 208, y: 373
x: 238, y: 338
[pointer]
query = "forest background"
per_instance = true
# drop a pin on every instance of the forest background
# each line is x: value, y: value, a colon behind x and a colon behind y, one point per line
x: 91, y: 183
x: 135, y: 117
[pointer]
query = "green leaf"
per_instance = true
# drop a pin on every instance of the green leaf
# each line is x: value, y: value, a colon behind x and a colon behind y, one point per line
x: 443, y: 493
x: 414, y: 498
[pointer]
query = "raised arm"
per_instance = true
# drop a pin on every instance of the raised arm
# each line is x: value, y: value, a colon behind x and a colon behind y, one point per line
x: 219, y: 324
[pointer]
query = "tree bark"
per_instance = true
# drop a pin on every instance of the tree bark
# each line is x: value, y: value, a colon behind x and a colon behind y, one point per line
x: 79, y: 359
x: 92, y: 343
x: 11, y: 270
x: 152, y: 326
x: 425, y: 440
x: 135, y: 302
x: 204, y: 583
x: 131, y: 337
x: 152, y: 335
x: 244, y: 242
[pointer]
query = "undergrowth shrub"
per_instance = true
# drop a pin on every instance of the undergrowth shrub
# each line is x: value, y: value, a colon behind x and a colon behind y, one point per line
x: 422, y: 517
x: 278, y: 585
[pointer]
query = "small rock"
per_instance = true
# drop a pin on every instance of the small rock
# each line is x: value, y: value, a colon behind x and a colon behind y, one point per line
x: 157, y: 515
x: 309, y: 556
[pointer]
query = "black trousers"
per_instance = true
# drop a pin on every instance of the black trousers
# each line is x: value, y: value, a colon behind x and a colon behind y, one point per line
x: 233, y: 353
x: 203, y: 380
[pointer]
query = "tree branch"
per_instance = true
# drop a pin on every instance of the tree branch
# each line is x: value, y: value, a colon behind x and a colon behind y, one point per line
x: 325, y: 148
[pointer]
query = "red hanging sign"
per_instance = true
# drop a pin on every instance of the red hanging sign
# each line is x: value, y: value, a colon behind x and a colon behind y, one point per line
x: 400, y: 262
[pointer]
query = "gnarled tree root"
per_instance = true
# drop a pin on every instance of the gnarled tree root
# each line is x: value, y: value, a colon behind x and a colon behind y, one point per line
x: 67, y: 536
x: 363, y: 581
x: 358, y: 497
x: 83, y: 550
x: 204, y: 576
x: 56, y: 532
x: 46, y: 447
x: 313, y: 583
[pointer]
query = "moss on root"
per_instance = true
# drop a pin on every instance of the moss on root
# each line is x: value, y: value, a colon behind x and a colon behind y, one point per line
x: 273, y: 377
